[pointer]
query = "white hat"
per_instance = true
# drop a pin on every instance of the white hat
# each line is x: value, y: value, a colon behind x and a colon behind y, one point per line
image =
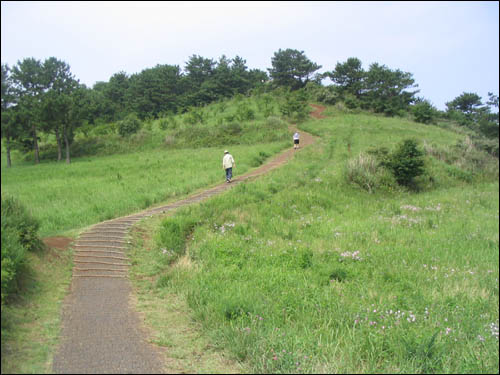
x: 226, y: 151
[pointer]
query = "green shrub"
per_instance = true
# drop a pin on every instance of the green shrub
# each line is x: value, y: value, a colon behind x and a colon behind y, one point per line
x: 130, y: 125
x: 245, y: 113
x: 351, y: 101
x: 327, y: 96
x: 407, y: 162
x: 295, y: 105
x: 424, y: 112
x: 19, y: 235
x: 259, y: 159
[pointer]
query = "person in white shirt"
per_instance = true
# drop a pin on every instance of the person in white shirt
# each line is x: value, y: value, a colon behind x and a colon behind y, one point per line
x: 296, y: 140
x: 228, y: 164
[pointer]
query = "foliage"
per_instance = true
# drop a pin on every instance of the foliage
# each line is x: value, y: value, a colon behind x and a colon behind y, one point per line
x: 19, y: 235
x: 385, y: 90
x: 348, y: 77
x: 424, y: 112
x: 407, y: 162
x: 291, y: 68
x: 325, y: 95
x: 468, y: 110
x: 295, y: 105
x: 380, y: 89
x: 130, y: 125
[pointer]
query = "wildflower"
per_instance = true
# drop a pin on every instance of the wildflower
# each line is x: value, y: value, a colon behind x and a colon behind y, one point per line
x: 448, y: 331
x: 354, y: 255
x: 411, y: 208
x: 480, y: 338
x: 494, y: 329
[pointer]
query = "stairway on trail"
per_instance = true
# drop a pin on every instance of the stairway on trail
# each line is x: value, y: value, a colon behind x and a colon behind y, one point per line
x: 101, y: 333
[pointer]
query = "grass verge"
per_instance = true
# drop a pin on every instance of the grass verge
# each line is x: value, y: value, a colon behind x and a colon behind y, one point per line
x: 167, y: 314
x: 31, y: 322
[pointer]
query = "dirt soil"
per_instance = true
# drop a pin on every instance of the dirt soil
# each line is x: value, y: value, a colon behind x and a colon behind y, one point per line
x: 318, y: 109
x: 58, y: 243
x: 101, y: 331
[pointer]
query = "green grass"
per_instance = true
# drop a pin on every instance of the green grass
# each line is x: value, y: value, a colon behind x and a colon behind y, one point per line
x: 301, y: 271
x: 31, y: 321
x: 298, y: 271
x: 168, y: 314
x: 89, y: 190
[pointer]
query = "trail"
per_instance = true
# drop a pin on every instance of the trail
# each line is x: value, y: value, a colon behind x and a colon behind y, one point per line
x: 100, y: 331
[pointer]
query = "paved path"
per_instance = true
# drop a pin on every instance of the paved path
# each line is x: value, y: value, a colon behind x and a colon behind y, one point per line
x: 101, y: 333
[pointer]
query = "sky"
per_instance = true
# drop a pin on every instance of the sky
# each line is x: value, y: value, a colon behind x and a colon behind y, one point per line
x: 449, y: 47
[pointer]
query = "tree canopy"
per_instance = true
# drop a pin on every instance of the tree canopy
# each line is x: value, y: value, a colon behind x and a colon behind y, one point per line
x: 291, y: 68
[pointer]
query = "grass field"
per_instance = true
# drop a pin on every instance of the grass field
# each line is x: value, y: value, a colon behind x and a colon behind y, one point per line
x: 300, y: 271
x: 89, y: 190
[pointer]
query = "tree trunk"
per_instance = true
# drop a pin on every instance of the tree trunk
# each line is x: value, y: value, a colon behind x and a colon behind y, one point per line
x: 59, y: 145
x: 7, y: 146
x: 66, y: 141
x: 35, y: 144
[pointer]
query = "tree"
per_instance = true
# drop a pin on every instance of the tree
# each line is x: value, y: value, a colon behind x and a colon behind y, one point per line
x: 385, y: 90
x: 348, y: 77
x: 155, y: 90
x: 116, y: 93
x: 29, y: 85
x: 469, y: 111
x: 468, y: 103
x: 75, y: 104
x: 60, y: 83
x: 291, y: 68
x: 8, y: 99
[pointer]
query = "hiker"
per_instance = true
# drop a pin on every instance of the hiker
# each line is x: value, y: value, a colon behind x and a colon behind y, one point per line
x: 228, y: 164
x: 296, y: 140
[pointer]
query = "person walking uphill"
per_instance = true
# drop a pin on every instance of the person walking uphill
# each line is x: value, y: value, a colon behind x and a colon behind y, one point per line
x: 296, y: 140
x: 228, y: 164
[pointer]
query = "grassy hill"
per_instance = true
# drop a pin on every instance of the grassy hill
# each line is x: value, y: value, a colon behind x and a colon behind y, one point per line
x: 306, y: 269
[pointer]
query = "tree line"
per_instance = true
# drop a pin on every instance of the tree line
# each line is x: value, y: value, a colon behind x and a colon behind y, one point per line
x: 46, y: 97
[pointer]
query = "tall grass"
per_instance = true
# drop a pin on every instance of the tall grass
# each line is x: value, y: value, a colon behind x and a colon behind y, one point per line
x: 301, y: 271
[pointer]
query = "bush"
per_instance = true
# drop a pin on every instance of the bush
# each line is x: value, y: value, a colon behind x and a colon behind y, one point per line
x: 351, y: 101
x: 407, y: 162
x: 295, y: 105
x: 326, y: 96
x: 19, y: 235
x: 128, y: 126
x: 245, y: 113
x: 424, y: 112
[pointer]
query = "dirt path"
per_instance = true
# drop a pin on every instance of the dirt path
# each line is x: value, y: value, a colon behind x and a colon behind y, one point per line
x: 101, y: 333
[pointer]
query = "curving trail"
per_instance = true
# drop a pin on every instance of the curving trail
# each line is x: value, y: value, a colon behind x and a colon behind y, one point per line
x: 101, y: 333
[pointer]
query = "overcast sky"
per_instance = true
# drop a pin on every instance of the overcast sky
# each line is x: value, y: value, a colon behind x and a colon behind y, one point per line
x: 450, y: 47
